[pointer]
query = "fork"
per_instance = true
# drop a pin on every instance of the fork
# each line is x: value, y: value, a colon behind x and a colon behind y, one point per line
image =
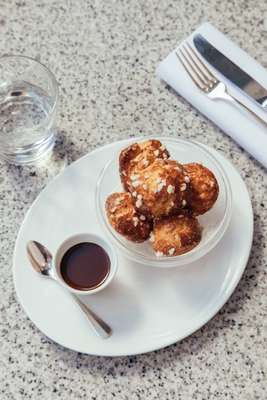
x: 204, y: 78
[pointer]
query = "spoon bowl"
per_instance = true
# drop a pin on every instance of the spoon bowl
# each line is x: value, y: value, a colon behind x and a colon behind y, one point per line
x: 40, y: 258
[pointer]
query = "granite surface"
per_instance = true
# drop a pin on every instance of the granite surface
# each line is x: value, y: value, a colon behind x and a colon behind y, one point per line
x: 104, y: 54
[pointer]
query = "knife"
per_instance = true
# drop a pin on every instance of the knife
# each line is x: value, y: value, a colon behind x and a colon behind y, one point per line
x: 231, y: 71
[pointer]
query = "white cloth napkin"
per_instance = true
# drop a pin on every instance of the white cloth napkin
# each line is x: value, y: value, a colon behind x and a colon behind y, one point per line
x: 236, y: 122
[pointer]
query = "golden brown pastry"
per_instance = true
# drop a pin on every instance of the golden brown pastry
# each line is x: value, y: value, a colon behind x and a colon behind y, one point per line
x: 162, y: 199
x: 139, y: 156
x: 204, y: 188
x: 175, y: 235
x: 160, y: 189
x: 125, y: 220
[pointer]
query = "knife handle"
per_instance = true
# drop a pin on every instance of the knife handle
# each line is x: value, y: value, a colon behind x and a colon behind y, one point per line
x: 234, y: 99
x: 257, y: 145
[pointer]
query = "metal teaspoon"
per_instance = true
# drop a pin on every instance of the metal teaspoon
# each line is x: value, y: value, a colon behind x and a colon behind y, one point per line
x: 41, y: 260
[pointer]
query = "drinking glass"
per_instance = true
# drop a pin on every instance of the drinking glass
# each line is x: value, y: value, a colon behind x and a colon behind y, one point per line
x: 28, y: 103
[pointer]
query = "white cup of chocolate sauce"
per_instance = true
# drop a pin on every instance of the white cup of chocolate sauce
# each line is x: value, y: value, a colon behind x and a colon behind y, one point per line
x: 85, y: 263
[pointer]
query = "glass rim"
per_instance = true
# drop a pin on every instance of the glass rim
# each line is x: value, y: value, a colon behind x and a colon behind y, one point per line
x: 51, y: 76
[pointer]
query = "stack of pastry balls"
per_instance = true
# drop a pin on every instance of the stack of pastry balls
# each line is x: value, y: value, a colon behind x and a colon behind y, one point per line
x: 162, y: 199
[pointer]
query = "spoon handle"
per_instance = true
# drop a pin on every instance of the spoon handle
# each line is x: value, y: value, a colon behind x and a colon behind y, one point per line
x: 101, y: 328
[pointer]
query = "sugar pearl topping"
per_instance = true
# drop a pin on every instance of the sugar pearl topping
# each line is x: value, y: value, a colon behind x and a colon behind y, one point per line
x: 138, y: 203
x: 186, y: 179
x: 135, y: 221
x: 134, y: 177
x: 170, y: 189
x: 152, y: 237
x: 171, y: 251
x: 135, y: 183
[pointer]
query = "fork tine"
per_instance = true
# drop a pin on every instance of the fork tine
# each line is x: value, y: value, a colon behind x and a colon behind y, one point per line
x: 194, y: 60
x: 201, y: 65
x: 189, y: 70
x: 194, y: 66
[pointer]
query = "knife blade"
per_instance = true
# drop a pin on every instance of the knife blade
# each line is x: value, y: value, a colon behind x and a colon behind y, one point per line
x: 231, y: 71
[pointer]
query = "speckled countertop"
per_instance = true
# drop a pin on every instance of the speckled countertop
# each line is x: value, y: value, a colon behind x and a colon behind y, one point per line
x: 104, y: 54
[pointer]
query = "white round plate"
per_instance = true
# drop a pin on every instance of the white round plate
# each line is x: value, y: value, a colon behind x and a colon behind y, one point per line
x: 148, y: 308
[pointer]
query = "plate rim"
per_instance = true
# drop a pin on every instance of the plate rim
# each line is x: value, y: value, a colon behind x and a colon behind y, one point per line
x: 169, y: 341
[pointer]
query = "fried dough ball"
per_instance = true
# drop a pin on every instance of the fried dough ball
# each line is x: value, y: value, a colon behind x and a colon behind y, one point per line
x: 160, y: 189
x: 175, y: 235
x: 139, y: 156
x: 204, y: 188
x: 125, y: 220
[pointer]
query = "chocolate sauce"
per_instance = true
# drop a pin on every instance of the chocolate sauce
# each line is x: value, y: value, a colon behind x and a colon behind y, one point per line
x: 85, y: 266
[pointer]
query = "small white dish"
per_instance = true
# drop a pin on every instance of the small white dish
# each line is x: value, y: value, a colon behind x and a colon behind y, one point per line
x: 185, y: 298
x: 89, y: 238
